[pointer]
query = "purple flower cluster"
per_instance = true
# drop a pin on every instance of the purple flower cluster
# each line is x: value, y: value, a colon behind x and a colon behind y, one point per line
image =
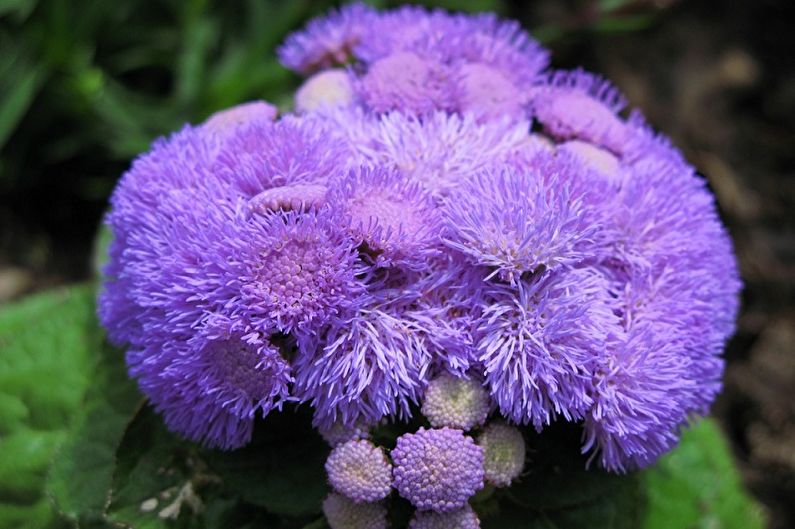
x: 445, y: 206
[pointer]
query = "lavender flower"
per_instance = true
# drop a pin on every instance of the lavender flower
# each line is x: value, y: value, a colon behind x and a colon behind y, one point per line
x: 360, y: 471
x: 503, y: 453
x: 537, y: 360
x: 393, y: 217
x: 302, y: 272
x: 463, y: 518
x: 555, y: 222
x: 437, y: 469
x: 368, y: 364
x: 579, y: 105
x: 456, y: 403
x: 327, y: 41
x: 408, y: 223
x: 342, y: 513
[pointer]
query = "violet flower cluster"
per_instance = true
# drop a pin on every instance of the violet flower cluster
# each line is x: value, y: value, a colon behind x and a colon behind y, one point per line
x: 438, y: 470
x: 442, y: 203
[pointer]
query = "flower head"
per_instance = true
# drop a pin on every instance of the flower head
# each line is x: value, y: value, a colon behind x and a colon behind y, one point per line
x: 455, y: 402
x: 503, y: 453
x: 392, y: 216
x: 343, y: 513
x: 522, y: 219
x: 538, y: 342
x: 437, y: 469
x: 579, y: 105
x: 211, y: 392
x: 360, y: 471
x: 327, y: 41
x: 406, y: 82
x: 301, y: 272
x: 368, y: 364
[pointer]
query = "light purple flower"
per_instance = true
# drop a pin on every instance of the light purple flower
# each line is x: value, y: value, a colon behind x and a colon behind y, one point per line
x: 437, y: 469
x: 327, y: 41
x: 360, y: 471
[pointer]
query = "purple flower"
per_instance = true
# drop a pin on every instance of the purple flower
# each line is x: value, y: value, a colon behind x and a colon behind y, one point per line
x: 438, y: 469
x: 298, y: 270
x: 210, y: 393
x: 327, y: 41
x: 406, y: 82
x: 579, y: 105
x: 408, y: 234
x: 441, y: 150
x: 368, y: 364
x: 543, y: 216
x: 463, y: 518
x: 538, y: 341
x: 262, y: 156
x: 360, y: 471
x: 392, y: 216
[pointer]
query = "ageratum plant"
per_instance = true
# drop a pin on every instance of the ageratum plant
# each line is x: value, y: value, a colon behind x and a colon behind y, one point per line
x: 445, y: 227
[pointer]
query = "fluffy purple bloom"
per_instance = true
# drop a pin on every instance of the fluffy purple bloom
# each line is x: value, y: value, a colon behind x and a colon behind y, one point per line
x: 437, y: 469
x: 392, y: 216
x: 327, y: 41
x: 463, y: 518
x: 212, y: 392
x: 368, y: 364
x: 407, y: 227
x: 538, y: 341
x: 406, y: 82
x: 579, y: 105
x: 544, y: 216
x: 441, y: 150
x: 262, y: 156
x: 360, y: 471
x: 301, y: 271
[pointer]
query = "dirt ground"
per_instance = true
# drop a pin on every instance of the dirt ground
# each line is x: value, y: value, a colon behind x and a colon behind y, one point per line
x: 719, y: 78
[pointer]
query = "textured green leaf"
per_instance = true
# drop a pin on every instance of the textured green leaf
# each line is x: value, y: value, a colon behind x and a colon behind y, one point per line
x: 697, y: 486
x: 282, y: 469
x: 46, y: 343
x: 150, y: 467
x: 80, y: 477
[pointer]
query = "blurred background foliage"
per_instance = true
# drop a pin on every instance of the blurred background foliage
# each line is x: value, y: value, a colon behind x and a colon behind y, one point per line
x: 85, y: 85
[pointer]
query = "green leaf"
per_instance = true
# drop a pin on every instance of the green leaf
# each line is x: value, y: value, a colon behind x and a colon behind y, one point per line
x: 46, y: 344
x: 150, y: 468
x: 281, y: 469
x: 697, y: 486
x: 81, y: 474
